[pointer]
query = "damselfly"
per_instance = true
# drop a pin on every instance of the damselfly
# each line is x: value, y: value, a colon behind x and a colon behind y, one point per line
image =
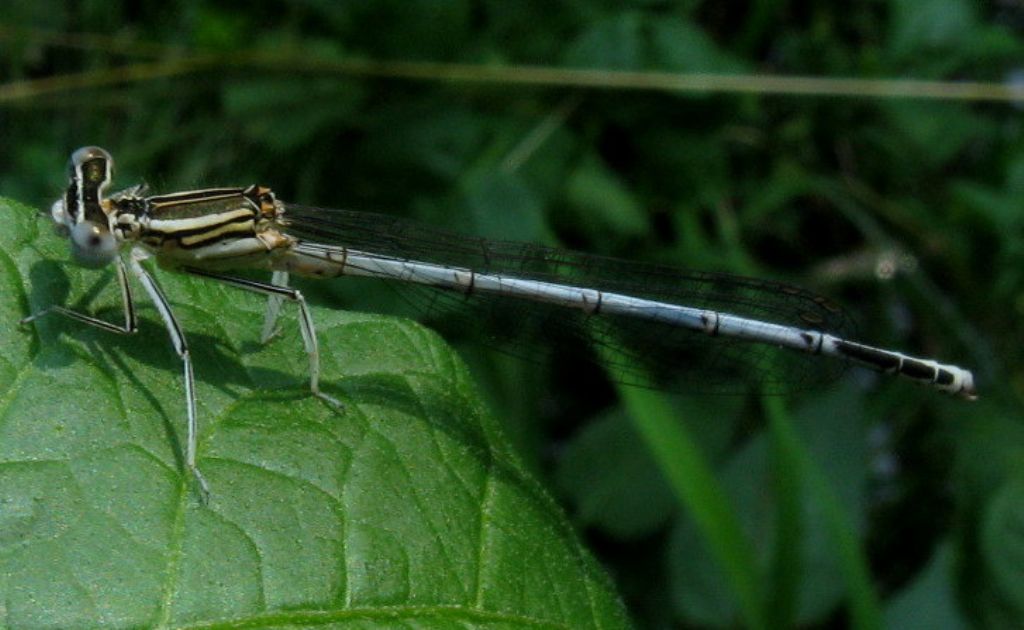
x: 651, y: 324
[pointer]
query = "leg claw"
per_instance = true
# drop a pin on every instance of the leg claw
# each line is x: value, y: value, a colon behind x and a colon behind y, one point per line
x: 330, y: 400
x: 204, y: 490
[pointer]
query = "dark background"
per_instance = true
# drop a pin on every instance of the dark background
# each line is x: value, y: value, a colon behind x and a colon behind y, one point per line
x: 909, y: 211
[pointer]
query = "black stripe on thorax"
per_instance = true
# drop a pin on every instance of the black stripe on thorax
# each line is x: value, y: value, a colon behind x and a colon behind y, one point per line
x: 244, y: 232
x: 196, y: 196
x: 246, y: 228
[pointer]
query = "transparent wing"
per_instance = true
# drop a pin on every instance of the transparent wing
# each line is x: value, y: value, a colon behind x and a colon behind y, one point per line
x: 637, y: 352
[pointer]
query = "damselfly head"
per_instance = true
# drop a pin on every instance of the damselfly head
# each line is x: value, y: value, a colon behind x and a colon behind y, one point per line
x: 81, y: 214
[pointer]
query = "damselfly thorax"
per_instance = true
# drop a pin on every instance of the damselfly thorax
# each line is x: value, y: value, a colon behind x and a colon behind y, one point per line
x: 221, y: 227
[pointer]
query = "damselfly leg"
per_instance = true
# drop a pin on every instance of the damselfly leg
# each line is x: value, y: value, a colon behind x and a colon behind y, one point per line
x: 270, y: 329
x: 130, y: 326
x: 306, y: 326
x: 181, y: 347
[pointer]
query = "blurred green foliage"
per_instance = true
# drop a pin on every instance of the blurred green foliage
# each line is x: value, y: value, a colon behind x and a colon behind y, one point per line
x: 871, y: 501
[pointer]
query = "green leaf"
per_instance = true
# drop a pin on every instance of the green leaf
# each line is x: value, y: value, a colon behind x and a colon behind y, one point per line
x: 283, y: 114
x: 932, y: 133
x: 434, y: 29
x: 929, y: 602
x: 699, y: 492
x: 1002, y: 542
x: 632, y: 40
x: 614, y: 43
x: 601, y: 204
x: 833, y: 502
x: 1015, y: 174
x: 437, y: 137
x: 503, y: 206
x: 795, y: 542
x: 683, y: 46
x: 831, y: 427
x: 922, y: 26
x: 407, y: 508
x: 614, y: 481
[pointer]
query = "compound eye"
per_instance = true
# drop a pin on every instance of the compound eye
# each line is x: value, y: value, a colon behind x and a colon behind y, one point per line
x: 92, y: 245
x: 89, y: 154
x: 91, y: 168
